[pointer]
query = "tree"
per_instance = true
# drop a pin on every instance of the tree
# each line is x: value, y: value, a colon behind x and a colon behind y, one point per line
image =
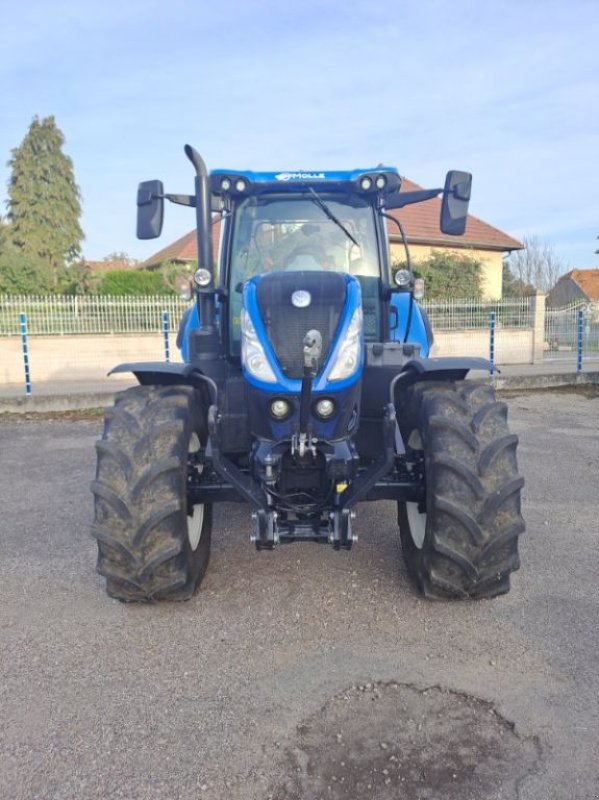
x: 78, y: 278
x: 127, y: 281
x: 448, y: 275
x: 120, y: 255
x: 536, y: 266
x: 43, y: 198
x: 22, y: 274
x: 512, y: 286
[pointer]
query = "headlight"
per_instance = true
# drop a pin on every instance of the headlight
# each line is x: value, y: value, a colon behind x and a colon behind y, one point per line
x: 253, y: 356
x: 280, y: 409
x: 348, y: 357
x: 324, y: 408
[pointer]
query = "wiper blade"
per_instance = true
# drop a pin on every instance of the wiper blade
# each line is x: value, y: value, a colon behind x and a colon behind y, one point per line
x: 322, y: 205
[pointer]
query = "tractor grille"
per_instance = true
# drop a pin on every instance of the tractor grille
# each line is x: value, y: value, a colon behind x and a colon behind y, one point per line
x: 287, y: 325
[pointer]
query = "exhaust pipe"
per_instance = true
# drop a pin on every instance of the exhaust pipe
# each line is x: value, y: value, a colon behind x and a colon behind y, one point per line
x: 206, y: 296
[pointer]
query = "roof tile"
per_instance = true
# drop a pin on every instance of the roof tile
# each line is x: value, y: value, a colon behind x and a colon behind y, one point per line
x: 421, y: 224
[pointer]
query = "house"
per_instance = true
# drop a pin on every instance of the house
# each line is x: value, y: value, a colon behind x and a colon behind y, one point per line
x: 421, y: 224
x: 183, y: 250
x: 577, y: 285
x: 480, y: 240
x: 111, y: 265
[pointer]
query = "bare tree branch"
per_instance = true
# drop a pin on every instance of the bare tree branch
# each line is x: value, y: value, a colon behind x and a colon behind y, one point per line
x: 536, y: 265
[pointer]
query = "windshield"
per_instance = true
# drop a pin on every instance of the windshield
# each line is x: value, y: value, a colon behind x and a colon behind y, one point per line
x: 272, y: 233
x: 294, y: 233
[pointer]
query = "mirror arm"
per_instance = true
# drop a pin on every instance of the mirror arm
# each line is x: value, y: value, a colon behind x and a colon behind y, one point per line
x: 181, y: 199
x: 407, y: 198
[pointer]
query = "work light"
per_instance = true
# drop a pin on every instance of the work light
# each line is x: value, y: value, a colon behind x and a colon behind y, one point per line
x: 202, y: 277
x: 402, y: 277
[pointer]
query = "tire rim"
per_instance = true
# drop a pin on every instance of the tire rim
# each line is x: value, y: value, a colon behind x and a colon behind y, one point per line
x: 416, y: 520
x: 417, y: 524
x: 195, y: 520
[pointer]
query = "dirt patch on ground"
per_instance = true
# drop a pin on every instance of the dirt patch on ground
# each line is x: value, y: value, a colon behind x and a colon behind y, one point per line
x: 80, y: 415
x: 395, y: 741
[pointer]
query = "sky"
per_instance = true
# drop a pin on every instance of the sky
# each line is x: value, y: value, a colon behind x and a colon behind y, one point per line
x: 506, y: 90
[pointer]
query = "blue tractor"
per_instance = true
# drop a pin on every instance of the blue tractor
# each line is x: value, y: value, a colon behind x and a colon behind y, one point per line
x: 306, y: 387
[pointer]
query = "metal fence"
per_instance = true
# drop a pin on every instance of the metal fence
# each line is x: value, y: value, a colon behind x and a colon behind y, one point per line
x: 54, y: 338
x: 451, y: 315
x: 48, y: 315
x: 56, y: 314
x: 572, y: 327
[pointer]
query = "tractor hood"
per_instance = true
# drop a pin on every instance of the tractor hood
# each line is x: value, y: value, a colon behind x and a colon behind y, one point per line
x: 281, y: 308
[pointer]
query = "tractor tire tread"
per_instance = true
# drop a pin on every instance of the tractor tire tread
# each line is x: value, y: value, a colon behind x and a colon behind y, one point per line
x: 140, y: 520
x: 473, y: 491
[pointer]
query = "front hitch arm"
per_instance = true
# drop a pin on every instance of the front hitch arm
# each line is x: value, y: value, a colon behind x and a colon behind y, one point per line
x: 360, y: 487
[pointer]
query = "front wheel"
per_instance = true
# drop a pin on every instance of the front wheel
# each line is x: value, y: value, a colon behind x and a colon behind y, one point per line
x: 462, y: 541
x: 153, y: 544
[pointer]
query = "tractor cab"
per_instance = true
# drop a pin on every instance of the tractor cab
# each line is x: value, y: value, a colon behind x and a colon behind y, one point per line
x: 282, y: 232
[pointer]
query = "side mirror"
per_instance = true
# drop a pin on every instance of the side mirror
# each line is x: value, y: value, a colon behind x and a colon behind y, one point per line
x: 454, y: 208
x: 150, y: 209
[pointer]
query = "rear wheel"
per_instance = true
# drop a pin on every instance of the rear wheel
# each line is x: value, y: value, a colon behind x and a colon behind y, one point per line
x: 462, y: 542
x: 152, y: 543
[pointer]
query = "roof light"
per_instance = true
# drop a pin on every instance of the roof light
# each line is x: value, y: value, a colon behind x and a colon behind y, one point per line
x: 381, y: 182
x: 225, y: 184
x: 240, y: 186
x: 366, y: 183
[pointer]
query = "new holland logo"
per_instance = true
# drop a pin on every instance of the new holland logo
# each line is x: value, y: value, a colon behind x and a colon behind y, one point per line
x: 300, y: 176
x: 301, y: 298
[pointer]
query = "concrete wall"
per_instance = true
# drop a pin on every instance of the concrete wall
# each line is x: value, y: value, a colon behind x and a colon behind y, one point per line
x: 79, y: 358
x: 512, y: 346
x: 90, y: 358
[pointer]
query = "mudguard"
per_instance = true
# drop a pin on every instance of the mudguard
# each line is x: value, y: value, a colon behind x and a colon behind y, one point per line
x: 435, y: 369
x: 161, y: 373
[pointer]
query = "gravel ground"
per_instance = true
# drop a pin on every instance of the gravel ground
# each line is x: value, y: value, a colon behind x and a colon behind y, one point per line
x: 303, y: 673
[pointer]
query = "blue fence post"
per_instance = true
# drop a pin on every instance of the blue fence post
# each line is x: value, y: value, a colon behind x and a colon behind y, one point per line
x: 492, y: 345
x: 579, y: 341
x: 25, y: 348
x: 165, y: 331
